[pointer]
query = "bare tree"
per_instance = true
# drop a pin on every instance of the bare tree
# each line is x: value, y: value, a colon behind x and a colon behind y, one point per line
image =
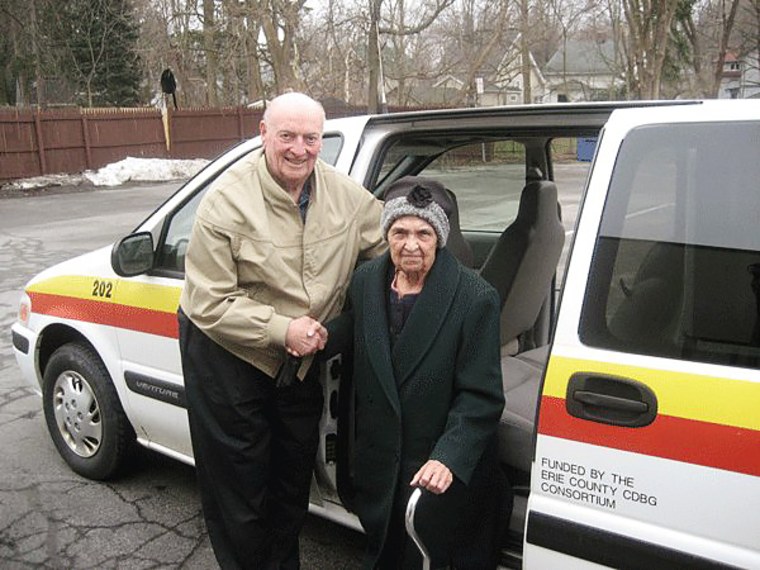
x: 280, y: 20
x: 747, y: 42
x: 649, y: 24
x: 251, y: 25
x: 172, y: 37
x: 707, y: 26
x: 727, y: 17
x: 390, y: 26
x: 568, y: 14
x: 19, y: 53
x: 608, y: 17
x: 475, y: 34
x: 525, y: 55
x: 209, y: 45
x: 227, y: 51
x: 239, y: 52
x: 544, y: 32
x: 334, y: 61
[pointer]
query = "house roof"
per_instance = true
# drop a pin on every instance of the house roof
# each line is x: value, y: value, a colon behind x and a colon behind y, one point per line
x: 494, y: 66
x: 584, y: 57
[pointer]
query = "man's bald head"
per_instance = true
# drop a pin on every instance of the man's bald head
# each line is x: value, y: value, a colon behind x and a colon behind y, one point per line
x: 293, y: 102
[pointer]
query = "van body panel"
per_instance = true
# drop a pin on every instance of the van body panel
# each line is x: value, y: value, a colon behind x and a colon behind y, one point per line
x: 648, y: 428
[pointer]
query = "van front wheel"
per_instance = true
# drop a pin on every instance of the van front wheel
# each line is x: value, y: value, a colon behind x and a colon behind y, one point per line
x: 83, y: 413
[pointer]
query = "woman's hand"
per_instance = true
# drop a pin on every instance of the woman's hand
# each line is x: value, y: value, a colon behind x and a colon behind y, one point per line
x: 433, y: 476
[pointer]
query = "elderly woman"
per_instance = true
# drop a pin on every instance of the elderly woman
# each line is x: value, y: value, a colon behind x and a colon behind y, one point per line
x: 428, y: 391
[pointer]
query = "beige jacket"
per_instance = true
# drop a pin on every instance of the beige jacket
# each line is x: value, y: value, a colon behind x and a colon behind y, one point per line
x: 252, y: 265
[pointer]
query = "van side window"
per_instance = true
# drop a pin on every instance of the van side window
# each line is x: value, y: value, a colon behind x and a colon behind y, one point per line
x: 332, y: 143
x: 676, y: 270
x: 487, y: 177
x: 171, y: 254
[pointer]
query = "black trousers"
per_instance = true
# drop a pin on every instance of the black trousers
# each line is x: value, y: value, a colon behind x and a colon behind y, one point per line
x: 254, y: 447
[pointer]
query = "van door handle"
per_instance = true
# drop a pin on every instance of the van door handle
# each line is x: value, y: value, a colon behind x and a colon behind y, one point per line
x: 610, y: 400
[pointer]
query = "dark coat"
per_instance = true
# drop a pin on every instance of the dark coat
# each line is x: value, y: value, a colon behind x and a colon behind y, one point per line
x: 437, y: 394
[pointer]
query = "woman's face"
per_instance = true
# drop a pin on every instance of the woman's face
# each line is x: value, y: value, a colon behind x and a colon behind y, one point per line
x: 412, y: 243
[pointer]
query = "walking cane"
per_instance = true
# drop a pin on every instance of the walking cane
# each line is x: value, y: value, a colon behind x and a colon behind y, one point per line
x: 411, y: 507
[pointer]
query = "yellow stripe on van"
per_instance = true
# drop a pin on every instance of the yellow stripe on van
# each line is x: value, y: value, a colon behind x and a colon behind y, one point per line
x: 107, y: 290
x: 690, y: 396
x: 76, y: 286
x: 148, y: 296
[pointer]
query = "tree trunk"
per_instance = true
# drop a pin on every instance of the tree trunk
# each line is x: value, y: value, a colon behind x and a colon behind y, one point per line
x: 282, y: 18
x: 727, y: 25
x: 373, y: 57
x: 209, y: 32
x: 477, y: 59
x: 400, y: 42
x: 256, y: 90
x: 526, y: 69
x: 649, y: 24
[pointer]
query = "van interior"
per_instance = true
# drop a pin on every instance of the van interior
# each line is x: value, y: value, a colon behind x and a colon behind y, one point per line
x: 508, y: 227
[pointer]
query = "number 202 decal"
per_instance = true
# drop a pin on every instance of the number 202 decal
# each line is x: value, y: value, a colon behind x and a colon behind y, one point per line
x: 102, y: 288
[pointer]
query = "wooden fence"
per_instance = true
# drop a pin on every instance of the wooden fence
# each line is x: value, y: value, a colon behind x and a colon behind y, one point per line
x: 37, y: 142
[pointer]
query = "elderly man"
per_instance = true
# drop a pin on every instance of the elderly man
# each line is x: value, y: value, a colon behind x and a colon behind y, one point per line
x: 273, y: 246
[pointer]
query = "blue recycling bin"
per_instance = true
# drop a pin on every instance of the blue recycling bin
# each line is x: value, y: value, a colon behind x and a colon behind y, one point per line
x: 586, y: 148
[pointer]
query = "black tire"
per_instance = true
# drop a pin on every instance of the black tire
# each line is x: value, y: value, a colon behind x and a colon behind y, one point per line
x: 84, y: 416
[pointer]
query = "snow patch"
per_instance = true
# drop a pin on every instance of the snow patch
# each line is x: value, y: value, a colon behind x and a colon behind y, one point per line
x: 130, y: 169
x: 144, y: 170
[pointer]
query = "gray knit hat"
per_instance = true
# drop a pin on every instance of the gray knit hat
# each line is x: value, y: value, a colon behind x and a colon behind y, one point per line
x: 418, y: 196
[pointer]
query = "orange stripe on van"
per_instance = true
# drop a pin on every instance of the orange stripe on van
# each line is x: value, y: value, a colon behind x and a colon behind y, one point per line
x: 691, y: 441
x: 701, y: 397
x: 129, y: 317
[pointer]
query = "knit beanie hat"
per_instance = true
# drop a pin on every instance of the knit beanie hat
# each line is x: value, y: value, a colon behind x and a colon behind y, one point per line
x: 418, y: 196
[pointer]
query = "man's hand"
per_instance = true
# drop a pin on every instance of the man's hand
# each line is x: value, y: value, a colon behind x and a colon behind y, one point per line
x: 305, y: 336
x: 433, y: 476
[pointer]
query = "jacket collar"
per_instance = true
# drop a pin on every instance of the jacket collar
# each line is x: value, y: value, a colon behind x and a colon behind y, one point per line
x: 275, y: 194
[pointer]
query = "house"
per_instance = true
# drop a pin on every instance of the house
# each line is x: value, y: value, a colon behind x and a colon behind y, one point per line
x: 503, y: 85
x: 583, y: 70
x: 498, y: 81
x: 741, y: 77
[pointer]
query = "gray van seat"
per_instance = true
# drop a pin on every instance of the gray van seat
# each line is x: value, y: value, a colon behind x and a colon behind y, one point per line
x: 648, y: 315
x: 521, y: 378
x: 523, y: 261
x: 456, y: 243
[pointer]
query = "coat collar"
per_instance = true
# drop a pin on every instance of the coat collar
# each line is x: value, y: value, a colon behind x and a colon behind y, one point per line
x: 427, y: 317
x: 422, y: 327
x: 375, y: 328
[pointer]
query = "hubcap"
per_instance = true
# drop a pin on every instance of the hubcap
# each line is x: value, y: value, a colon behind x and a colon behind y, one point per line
x: 77, y: 414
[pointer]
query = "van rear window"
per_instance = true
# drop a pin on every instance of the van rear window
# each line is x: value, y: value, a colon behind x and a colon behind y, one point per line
x: 676, y: 269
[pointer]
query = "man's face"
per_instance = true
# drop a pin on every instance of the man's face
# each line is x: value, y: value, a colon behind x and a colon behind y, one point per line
x: 292, y: 140
x: 412, y: 243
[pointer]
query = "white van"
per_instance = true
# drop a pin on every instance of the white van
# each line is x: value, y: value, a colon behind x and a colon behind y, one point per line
x: 630, y: 323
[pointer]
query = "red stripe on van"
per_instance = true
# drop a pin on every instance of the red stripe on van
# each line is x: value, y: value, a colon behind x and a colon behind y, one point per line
x: 681, y: 439
x: 109, y: 314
